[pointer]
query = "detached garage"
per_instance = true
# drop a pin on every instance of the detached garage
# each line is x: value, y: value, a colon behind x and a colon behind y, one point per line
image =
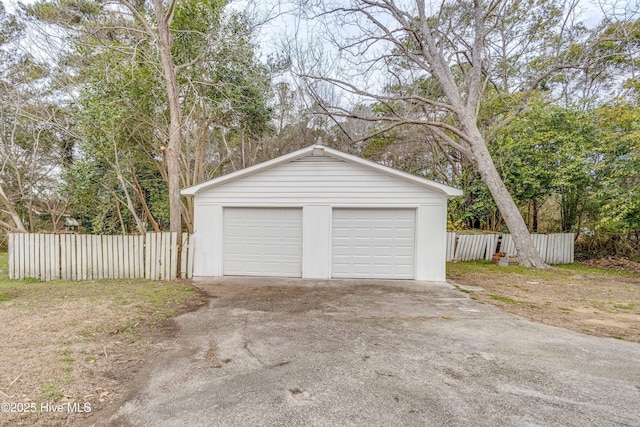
x: 319, y: 213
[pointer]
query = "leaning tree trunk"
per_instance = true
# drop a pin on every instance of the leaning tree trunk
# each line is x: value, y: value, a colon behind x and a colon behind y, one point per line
x: 528, y: 254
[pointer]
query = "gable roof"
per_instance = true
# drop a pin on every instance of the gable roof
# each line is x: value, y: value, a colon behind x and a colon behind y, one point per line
x: 320, y: 150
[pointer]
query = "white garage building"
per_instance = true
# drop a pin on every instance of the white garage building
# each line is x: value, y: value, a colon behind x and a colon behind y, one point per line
x: 319, y: 213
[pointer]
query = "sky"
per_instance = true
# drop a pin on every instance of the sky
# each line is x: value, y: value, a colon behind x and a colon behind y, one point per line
x: 285, y: 23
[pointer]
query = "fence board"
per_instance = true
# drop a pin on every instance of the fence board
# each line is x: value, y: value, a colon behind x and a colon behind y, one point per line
x: 151, y: 259
x: 43, y: 254
x: 53, y: 251
x: 185, y: 255
x: 48, y: 257
x: 161, y: 256
x: 63, y: 257
x: 471, y: 247
x: 121, y: 256
x: 572, y: 248
x: 109, y: 256
x: 76, y: 271
x: 56, y: 258
x: 11, y: 266
x: 29, y: 252
x: 87, y: 256
x: 83, y: 250
x: 139, y: 256
x: 18, y: 256
x: 133, y: 257
x: 156, y: 252
x: 14, y: 251
x: 112, y: 254
x: 186, y: 260
x: 39, y: 257
x: 24, y: 262
x: 150, y: 254
x: 451, y: 245
x: 460, y: 247
x: 173, y: 263
x: 166, y: 258
x: 158, y: 257
x: 26, y: 253
x: 132, y: 254
x: 34, y: 259
x: 125, y: 256
x: 117, y: 256
x: 541, y: 242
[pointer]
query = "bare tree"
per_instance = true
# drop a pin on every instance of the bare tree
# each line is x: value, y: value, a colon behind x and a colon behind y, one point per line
x: 442, y: 59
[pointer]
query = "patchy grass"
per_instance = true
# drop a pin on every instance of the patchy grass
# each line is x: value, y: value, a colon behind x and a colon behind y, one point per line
x: 596, y: 301
x: 68, y: 342
x: 508, y: 300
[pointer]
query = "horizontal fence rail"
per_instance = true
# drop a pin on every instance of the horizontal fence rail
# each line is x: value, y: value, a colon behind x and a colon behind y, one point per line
x: 554, y: 248
x: 92, y: 257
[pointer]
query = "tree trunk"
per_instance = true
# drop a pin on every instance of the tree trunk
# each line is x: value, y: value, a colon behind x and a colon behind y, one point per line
x: 172, y: 151
x: 9, y: 208
x: 143, y: 202
x: 528, y: 255
x: 130, y: 206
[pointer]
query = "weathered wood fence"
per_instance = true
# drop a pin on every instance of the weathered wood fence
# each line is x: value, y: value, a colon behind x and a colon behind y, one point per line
x: 554, y: 248
x: 155, y: 255
x: 85, y: 257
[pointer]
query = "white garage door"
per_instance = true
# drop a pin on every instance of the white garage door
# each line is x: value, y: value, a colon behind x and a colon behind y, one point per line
x: 373, y: 243
x: 262, y: 242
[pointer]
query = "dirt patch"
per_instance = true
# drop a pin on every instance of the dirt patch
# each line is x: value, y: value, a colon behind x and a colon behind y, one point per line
x: 70, y: 350
x: 595, y: 301
x: 616, y: 263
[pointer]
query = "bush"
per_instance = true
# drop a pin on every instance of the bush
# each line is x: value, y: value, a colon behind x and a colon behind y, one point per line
x: 602, y: 245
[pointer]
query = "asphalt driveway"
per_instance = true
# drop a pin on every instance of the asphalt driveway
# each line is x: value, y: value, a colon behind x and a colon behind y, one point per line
x: 363, y: 353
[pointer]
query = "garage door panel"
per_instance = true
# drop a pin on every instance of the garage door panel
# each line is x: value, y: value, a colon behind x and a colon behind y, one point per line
x: 262, y: 242
x: 373, y: 243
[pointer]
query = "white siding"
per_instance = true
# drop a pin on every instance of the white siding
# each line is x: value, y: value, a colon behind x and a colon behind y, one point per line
x: 320, y: 180
x: 208, y: 240
x: 431, y: 246
x: 316, y: 242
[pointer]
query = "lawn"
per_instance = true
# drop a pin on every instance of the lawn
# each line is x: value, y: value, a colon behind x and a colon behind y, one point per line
x: 76, y: 343
x: 595, y: 301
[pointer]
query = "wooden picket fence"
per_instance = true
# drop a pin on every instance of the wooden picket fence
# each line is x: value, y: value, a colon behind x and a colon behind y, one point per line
x: 92, y: 257
x: 155, y: 255
x: 555, y: 248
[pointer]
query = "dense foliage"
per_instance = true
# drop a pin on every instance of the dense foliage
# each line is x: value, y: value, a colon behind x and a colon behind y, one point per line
x: 84, y: 117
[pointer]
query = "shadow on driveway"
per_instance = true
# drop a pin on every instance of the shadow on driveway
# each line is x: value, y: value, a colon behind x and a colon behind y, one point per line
x: 377, y: 353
